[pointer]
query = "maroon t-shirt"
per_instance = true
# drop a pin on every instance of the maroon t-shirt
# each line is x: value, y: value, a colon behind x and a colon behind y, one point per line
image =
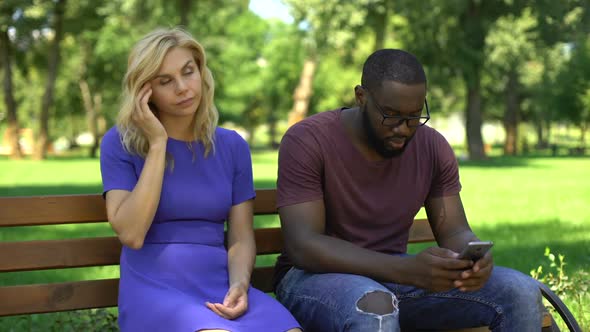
x: 369, y: 203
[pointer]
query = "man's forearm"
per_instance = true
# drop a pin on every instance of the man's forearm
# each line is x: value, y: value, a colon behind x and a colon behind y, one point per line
x: 457, y: 241
x: 325, y: 254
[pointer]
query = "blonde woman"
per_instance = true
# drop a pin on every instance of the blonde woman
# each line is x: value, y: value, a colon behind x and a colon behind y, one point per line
x: 171, y: 179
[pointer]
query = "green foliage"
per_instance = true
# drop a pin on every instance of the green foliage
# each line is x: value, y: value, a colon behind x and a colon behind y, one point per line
x: 510, y: 47
x: 281, y: 62
x: 93, y: 320
x: 237, y: 72
x: 87, y: 320
x: 333, y: 90
x: 257, y: 63
x: 330, y: 24
x: 575, y: 288
x: 573, y: 82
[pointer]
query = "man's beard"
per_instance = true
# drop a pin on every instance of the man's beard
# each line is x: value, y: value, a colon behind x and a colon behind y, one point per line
x: 379, y: 144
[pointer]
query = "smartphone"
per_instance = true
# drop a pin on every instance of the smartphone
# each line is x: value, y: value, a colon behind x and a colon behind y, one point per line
x: 476, y: 250
x: 152, y: 106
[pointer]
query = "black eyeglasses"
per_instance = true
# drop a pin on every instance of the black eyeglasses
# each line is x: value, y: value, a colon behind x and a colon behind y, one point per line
x: 396, y: 120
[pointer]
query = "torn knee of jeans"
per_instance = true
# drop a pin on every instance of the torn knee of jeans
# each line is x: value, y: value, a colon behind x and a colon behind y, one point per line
x: 377, y: 302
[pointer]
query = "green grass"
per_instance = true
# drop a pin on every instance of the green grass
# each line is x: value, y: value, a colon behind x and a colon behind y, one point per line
x: 522, y: 204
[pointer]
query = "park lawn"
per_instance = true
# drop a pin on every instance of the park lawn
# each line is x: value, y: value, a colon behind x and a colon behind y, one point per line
x: 522, y: 204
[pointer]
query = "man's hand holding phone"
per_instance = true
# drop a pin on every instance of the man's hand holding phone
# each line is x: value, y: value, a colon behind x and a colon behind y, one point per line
x: 476, y: 277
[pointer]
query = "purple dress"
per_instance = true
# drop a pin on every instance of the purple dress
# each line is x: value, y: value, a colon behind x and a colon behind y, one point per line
x: 183, y: 262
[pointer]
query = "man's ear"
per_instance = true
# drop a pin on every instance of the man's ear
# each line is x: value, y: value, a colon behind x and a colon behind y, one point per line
x: 359, y: 95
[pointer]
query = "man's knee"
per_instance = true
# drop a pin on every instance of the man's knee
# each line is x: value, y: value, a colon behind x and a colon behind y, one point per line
x: 528, y: 291
x: 378, y: 302
x: 520, y: 284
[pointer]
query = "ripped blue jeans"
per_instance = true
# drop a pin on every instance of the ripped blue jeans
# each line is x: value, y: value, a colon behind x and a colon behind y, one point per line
x: 509, y: 301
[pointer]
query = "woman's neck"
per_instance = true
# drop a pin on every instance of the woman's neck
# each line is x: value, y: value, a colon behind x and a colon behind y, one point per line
x: 179, y: 128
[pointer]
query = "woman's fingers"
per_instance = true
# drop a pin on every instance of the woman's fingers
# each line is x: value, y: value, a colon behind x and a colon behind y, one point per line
x: 227, y: 312
x: 213, y: 307
x: 145, y: 99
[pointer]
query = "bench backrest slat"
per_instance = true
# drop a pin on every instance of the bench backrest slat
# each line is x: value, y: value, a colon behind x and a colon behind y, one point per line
x: 42, y: 298
x: 421, y: 231
x: 32, y: 299
x: 78, y: 209
x: 58, y: 254
x: 50, y: 210
x: 100, y: 251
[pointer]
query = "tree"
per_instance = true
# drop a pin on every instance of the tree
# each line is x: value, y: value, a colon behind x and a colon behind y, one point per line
x: 573, y: 86
x: 6, y: 55
x: 450, y: 36
x: 53, y: 65
x: 566, y: 24
x: 584, y: 98
x: 238, y: 75
x: 510, y: 45
x: 85, y: 20
x: 281, y: 62
x: 328, y: 25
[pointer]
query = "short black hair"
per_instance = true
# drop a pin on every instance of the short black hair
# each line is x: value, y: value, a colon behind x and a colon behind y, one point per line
x: 392, y: 65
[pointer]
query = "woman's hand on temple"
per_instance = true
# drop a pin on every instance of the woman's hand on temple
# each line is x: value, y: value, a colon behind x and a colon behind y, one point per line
x: 145, y: 119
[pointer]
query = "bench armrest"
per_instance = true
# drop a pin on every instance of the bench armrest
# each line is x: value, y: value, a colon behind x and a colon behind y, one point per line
x: 560, y: 307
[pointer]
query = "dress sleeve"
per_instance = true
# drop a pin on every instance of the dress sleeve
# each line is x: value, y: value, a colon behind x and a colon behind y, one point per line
x: 300, y: 170
x: 116, y: 164
x: 446, y: 170
x: 243, y: 183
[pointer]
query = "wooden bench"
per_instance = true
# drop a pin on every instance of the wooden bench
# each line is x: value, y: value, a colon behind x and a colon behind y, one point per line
x: 104, y: 251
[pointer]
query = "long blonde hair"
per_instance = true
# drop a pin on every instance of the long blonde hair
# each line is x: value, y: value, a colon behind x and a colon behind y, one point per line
x: 143, y: 64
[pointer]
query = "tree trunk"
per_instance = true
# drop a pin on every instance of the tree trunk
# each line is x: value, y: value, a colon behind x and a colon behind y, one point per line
x: 583, y: 129
x: 92, y: 105
x: 473, y: 121
x: 272, y: 127
x: 185, y: 8
x: 250, y: 132
x: 547, y: 131
x: 541, y: 139
x: 303, y: 92
x: 379, y: 17
x: 96, y: 133
x: 12, y: 131
x: 54, y: 58
x: 511, y: 113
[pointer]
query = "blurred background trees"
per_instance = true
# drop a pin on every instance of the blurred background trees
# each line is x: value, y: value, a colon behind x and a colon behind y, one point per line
x: 522, y: 66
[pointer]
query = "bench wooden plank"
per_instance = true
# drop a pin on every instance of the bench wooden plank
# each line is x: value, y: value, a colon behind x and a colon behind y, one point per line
x: 42, y: 298
x: 56, y: 254
x: 30, y: 299
x: 265, y: 202
x: 48, y: 210
x: 420, y: 232
x: 268, y: 240
x: 262, y: 278
x: 78, y: 209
